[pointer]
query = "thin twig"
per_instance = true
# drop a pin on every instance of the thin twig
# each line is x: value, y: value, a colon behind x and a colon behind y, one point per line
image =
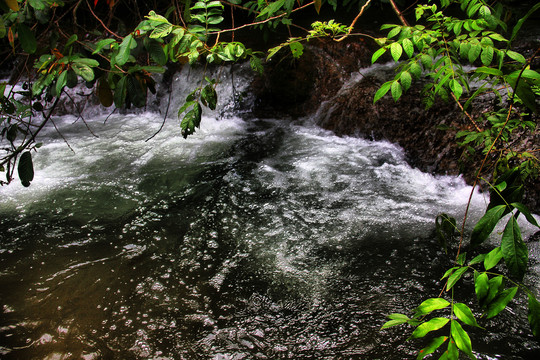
x: 102, y: 23
x: 354, y: 21
x: 62, y: 136
x: 262, y: 21
x: 164, y: 118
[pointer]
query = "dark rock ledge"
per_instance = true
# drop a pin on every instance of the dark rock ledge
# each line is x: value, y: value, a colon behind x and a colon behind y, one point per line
x: 335, y: 83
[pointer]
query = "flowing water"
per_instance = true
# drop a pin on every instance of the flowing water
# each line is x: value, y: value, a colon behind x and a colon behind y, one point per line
x: 252, y: 239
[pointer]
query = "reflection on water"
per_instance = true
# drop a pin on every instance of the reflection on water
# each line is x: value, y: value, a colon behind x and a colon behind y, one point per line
x: 259, y: 240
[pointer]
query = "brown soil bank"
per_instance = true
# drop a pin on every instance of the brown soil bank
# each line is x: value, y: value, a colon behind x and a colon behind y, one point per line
x: 335, y: 84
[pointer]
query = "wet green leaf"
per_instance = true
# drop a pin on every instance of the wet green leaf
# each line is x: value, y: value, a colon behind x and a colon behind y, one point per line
x: 534, y: 315
x: 209, y: 97
x: 83, y: 71
x: 396, y: 50
x: 382, y: 91
x: 464, y: 313
x: 486, y: 224
x: 430, y: 305
x: 462, y: 339
x: 433, y: 345
x: 493, y: 258
x: 481, y: 286
x: 191, y: 120
x: 500, y: 302
x: 431, y: 325
x: 514, y: 250
x: 377, y: 54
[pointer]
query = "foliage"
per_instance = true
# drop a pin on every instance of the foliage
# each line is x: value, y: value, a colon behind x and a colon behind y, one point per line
x: 460, y: 59
x: 438, y: 52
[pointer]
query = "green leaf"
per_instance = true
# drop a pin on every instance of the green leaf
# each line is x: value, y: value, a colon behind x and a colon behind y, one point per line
x: 449, y: 272
x: 462, y: 339
x: 487, y: 55
x: 406, y: 80
x: 61, y: 82
x: 534, y: 315
x: 83, y: 71
x: 27, y: 39
x: 408, y: 47
x: 455, y: 277
x: 102, y: 44
x: 493, y: 258
x: 456, y: 88
x: 397, y: 91
x: 86, y: 61
x: 433, y: 345
x: 383, y: 90
x: 464, y: 313
x: 396, y: 50
x: 297, y: 49
x: 120, y: 92
x: 481, y: 286
x: 161, y: 31
x: 514, y: 250
x: 452, y: 353
x: 500, y: 302
x: 395, y: 319
x: 474, y: 52
x: 490, y: 71
x: 125, y: 49
x: 377, y: 54
x: 525, y: 211
x: 191, y: 120
x: 477, y: 259
x: 430, y: 305
x: 209, y: 97
x: 431, y: 325
x: 486, y: 224
x: 26, y: 169
x: 495, y: 286
x: 516, y: 56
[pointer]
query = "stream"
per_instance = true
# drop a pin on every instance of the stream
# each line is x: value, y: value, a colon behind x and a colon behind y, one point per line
x: 252, y: 239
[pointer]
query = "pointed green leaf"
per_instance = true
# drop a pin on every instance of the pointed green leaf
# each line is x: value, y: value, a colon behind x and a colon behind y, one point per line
x: 464, y: 313
x: 408, y: 47
x: 396, y: 50
x: 431, y: 325
x: 487, y: 55
x: 27, y: 39
x: 161, y: 30
x: 456, y: 88
x: 449, y: 272
x: 209, y: 97
x: 481, y: 286
x: 191, y: 120
x: 83, y: 71
x: 514, y: 250
x: 474, y: 52
x: 395, y: 319
x: 382, y: 91
x: 406, y: 80
x: 103, y: 44
x: 61, y: 82
x: 495, y: 287
x: 433, y: 345
x: 478, y: 259
x: 397, y: 91
x: 462, y: 339
x: 486, y: 224
x: 455, y: 277
x: 120, y: 92
x: 516, y: 56
x: 377, y: 54
x: 125, y: 49
x: 500, y: 302
x: 525, y: 211
x: 493, y: 258
x: 534, y: 315
x: 430, y: 305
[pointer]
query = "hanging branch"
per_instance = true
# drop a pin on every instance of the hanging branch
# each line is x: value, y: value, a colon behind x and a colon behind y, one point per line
x: 399, y: 14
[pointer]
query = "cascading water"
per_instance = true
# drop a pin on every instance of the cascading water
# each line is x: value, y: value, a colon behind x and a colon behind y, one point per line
x: 252, y: 239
